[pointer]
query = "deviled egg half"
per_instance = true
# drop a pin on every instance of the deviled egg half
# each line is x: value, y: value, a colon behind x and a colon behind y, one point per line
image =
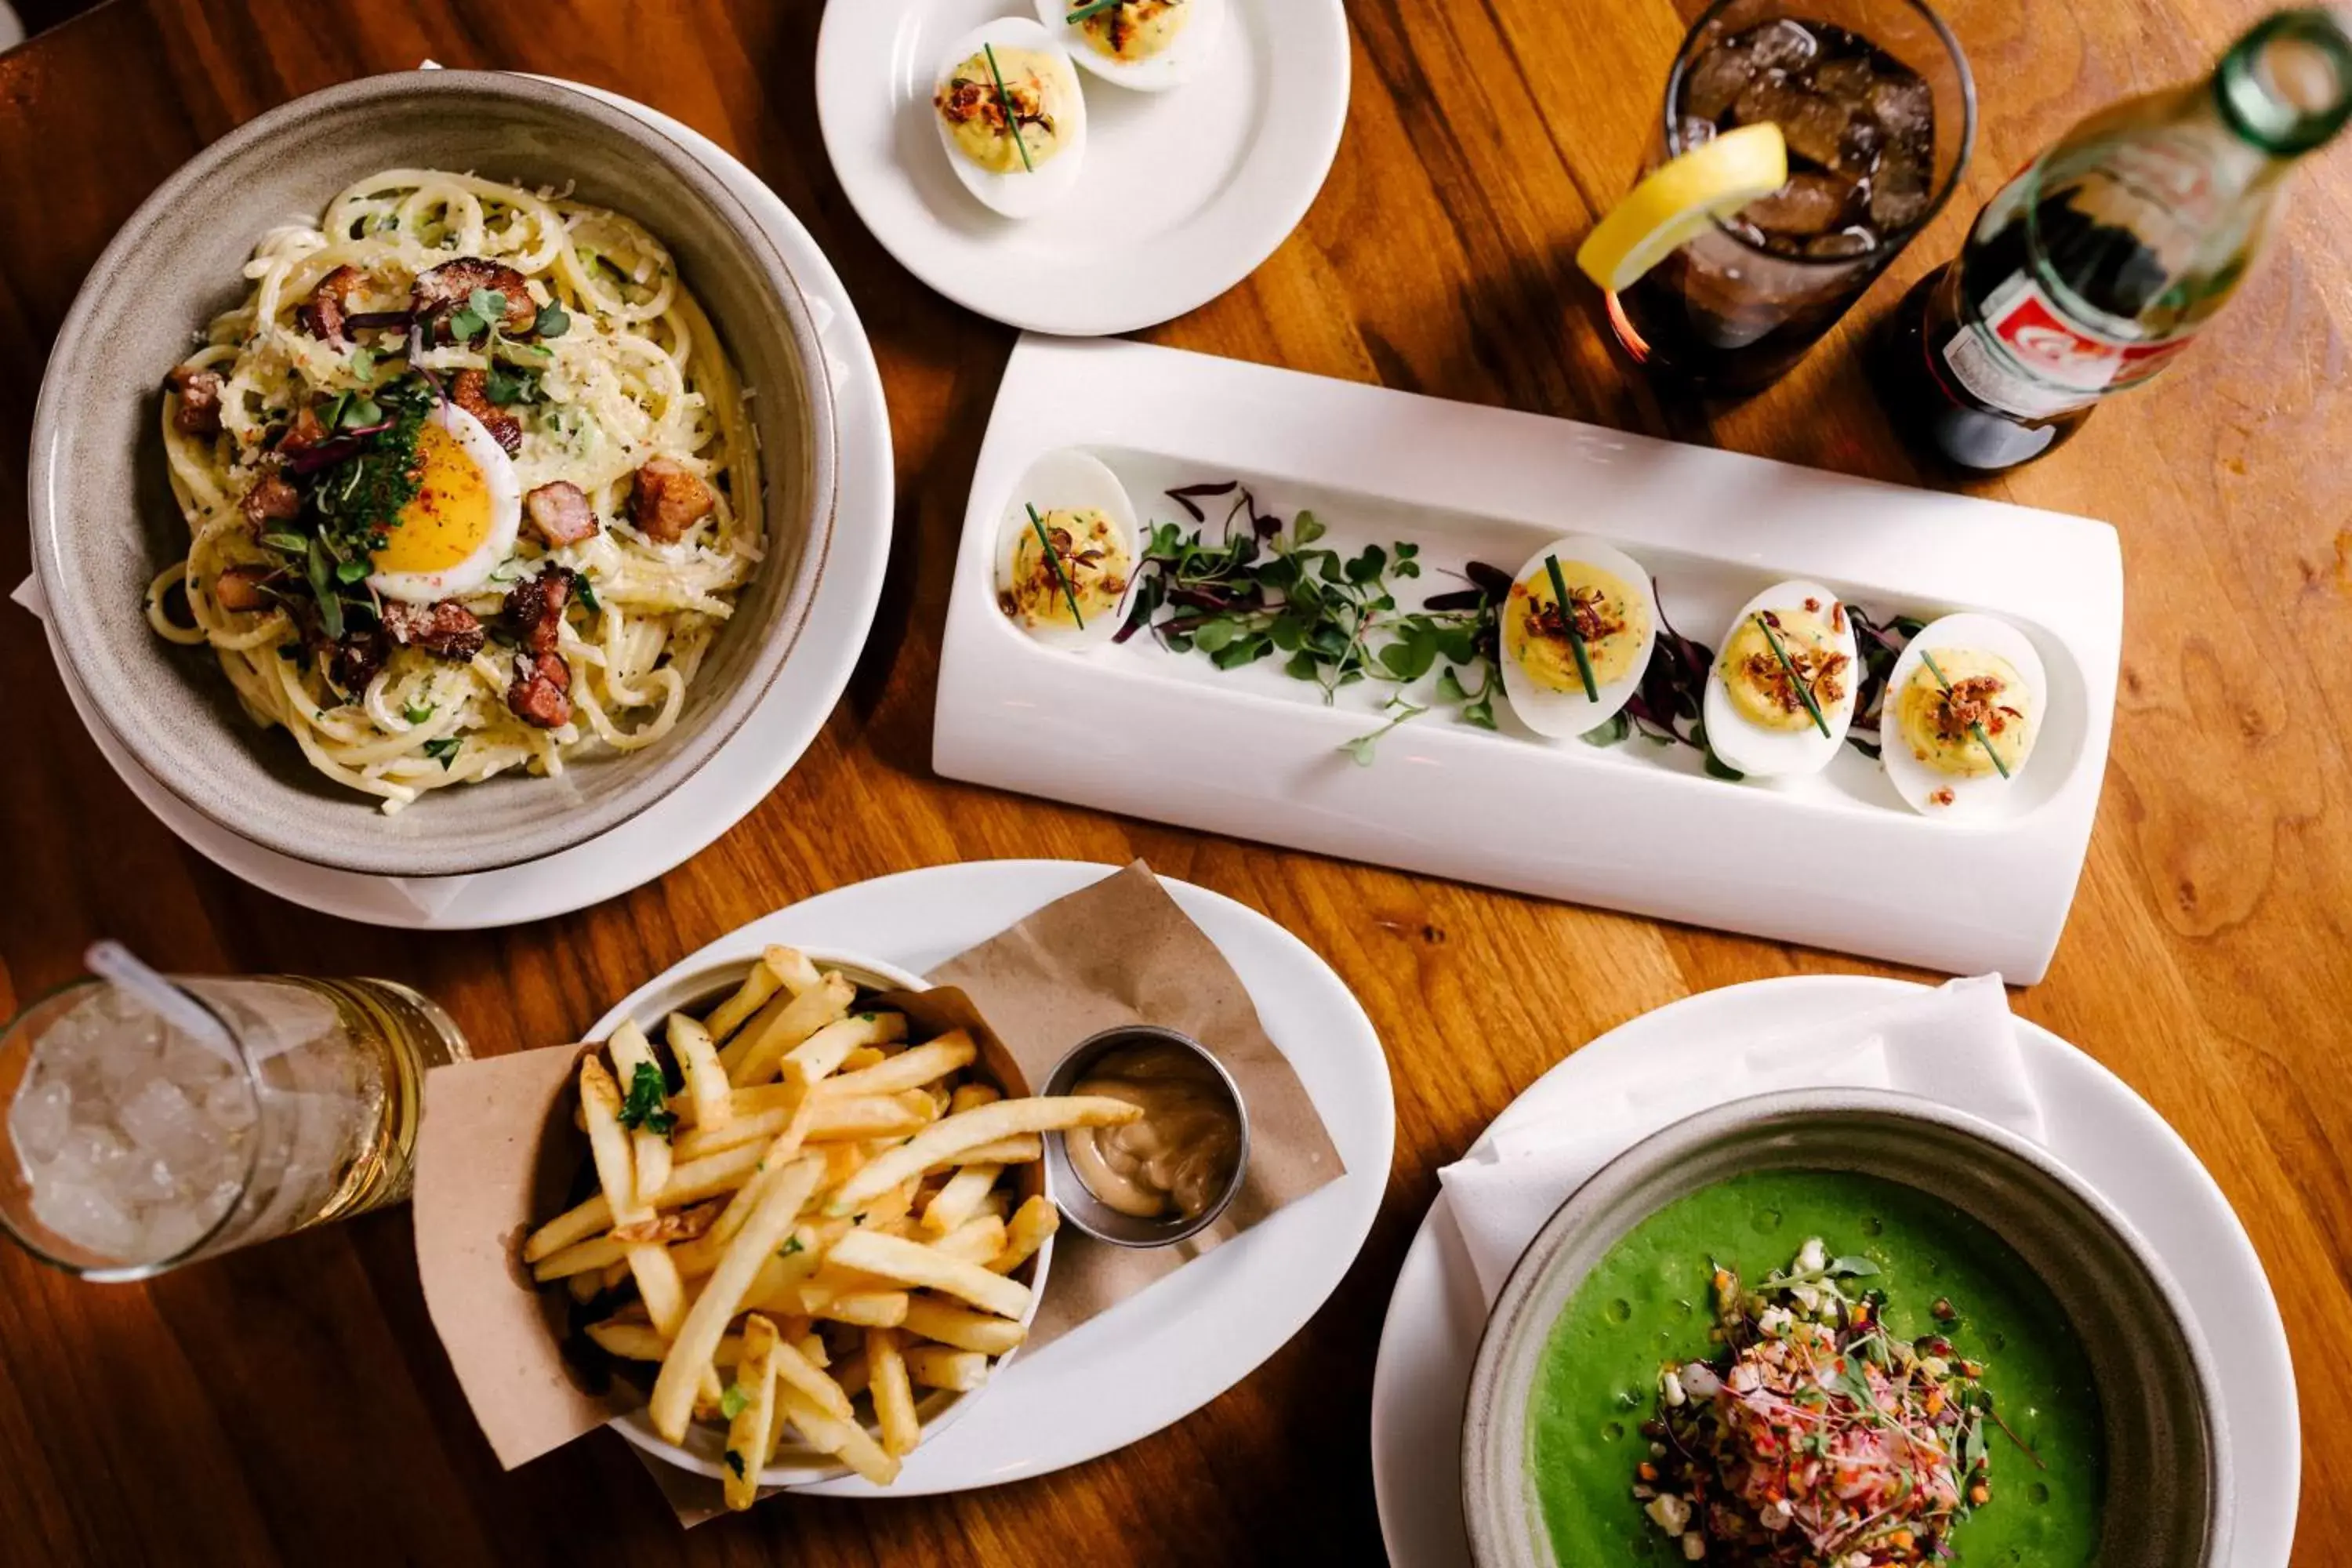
x: 1963, y: 709
x: 1012, y: 116
x: 1147, y: 44
x: 1068, y: 552
x: 1611, y: 615
x: 1780, y: 697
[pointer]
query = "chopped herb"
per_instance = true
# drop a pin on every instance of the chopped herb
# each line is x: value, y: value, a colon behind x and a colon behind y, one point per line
x: 351, y: 570
x: 443, y: 750
x: 1005, y: 102
x: 587, y: 592
x: 731, y: 1402
x: 1565, y: 604
x: 735, y: 1463
x: 791, y: 1246
x: 417, y: 712
x: 647, y: 1105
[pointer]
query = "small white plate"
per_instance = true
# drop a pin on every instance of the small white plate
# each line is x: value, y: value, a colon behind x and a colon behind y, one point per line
x: 740, y: 776
x: 1162, y: 1353
x: 1182, y: 193
x: 2110, y: 1136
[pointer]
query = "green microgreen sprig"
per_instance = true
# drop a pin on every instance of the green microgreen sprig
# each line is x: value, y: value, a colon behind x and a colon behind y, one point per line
x: 1053, y: 559
x: 1804, y: 691
x: 1005, y: 102
x: 1575, y: 633
x: 1974, y: 728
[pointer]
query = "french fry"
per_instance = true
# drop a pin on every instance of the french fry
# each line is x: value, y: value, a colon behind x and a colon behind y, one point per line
x: 749, y: 1434
x: 798, y: 1371
x: 787, y: 1189
x: 869, y: 1117
x: 633, y: 1058
x: 580, y: 1259
x: 723, y: 1172
x: 861, y: 1058
x: 812, y: 1347
x: 866, y: 1308
x: 894, y: 1394
x: 582, y: 1288
x: 961, y: 1198
x: 617, y: 1275
x: 821, y: 1054
x: 891, y: 1206
x: 962, y: 1328
x: 973, y: 1129
x: 643, y: 1341
x: 846, y: 1440
x: 972, y: 1097
x: 1022, y: 1149
x: 767, y: 1040
x: 658, y: 1284
x: 852, y: 1374
x: 706, y: 1081
x: 976, y: 1240
x: 911, y: 1263
x: 1030, y: 1224
x: 779, y: 969
x: 937, y: 1366
x: 608, y: 1145
x: 908, y: 1069
x: 672, y: 1227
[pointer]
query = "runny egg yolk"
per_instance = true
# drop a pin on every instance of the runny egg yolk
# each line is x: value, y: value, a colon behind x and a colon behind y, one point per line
x: 451, y: 515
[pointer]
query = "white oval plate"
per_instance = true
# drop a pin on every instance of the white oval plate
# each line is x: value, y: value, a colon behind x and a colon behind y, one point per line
x: 2110, y: 1136
x: 1161, y: 1355
x: 724, y: 790
x: 1182, y: 195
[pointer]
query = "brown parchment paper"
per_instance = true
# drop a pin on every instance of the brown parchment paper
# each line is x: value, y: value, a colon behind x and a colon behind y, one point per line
x: 498, y: 1150
x: 1117, y: 953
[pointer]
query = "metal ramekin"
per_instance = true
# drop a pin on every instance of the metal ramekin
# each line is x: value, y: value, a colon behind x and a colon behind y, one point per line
x: 1089, y: 1213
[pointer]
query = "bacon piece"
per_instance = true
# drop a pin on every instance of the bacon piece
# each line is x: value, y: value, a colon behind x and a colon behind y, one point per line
x: 449, y: 286
x: 357, y: 655
x: 199, y: 411
x: 271, y: 499
x: 540, y: 694
x: 446, y: 630
x: 306, y: 431
x: 330, y: 305
x: 534, y: 608
x: 470, y: 390
x: 560, y: 514
x: 240, y: 589
x: 668, y: 499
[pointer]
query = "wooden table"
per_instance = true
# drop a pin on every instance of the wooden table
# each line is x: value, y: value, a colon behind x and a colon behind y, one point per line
x: 291, y: 1405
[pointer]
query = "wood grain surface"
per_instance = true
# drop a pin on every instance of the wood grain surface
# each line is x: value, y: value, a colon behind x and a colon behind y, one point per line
x: 291, y: 1405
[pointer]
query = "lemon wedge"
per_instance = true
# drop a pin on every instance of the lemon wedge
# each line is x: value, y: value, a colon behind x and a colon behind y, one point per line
x: 1680, y: 198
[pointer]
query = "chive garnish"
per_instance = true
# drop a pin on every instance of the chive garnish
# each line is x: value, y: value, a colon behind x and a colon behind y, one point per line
x: 1045, y: 542
x: 1974, y: 728
x: 1005, y: 102
x: 1092, y: 9
x: 1795, y: 680
x: 1575, y: 635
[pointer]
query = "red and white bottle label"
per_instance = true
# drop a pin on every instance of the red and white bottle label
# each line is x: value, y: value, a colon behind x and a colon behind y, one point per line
x: 2029, y: 359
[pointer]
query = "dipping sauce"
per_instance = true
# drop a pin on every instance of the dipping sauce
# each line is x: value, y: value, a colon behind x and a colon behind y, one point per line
x: 1173, y: 1164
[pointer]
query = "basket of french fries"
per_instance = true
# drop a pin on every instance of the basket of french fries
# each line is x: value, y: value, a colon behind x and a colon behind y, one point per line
x: 812, y: 1218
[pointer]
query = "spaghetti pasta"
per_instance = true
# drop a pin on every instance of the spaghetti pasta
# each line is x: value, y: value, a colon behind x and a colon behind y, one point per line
x: 635, y: 373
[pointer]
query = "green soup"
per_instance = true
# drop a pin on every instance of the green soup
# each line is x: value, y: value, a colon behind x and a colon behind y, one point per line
x: 1650, y: 1302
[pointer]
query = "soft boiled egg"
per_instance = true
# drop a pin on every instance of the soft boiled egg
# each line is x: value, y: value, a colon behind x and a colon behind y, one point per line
x: 1792, y: 641
x: 1963, y: 709
x: 1069, y: 550
x: 460, y: 525
x: 1147, y: 44
x: 1615, y: 621
x: 1012, y: 116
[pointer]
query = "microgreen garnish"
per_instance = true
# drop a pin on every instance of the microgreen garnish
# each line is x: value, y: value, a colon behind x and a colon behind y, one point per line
x: 1804, y: 691
x: 363, y: 362
x: 508, y: 387
x: 1974, y: 727
x: 587, y: 592
x: 1567, y: 608
x: 1401, y: 711
x: 484, y: 308
x: 1054, y: 559
x: 647, y: 1105
x: 443, y: 750
x: 552, y: 321
x: 1005, y: 102
x: 1092, y: 9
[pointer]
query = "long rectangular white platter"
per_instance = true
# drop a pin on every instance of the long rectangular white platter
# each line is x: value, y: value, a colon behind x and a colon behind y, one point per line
x: 1835, y: 860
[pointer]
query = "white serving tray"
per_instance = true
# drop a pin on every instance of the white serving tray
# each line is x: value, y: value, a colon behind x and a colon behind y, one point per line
x: 1833, y: 861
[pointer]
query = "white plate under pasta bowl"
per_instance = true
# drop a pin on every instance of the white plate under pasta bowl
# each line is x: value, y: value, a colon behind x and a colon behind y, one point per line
x: 2109, y: 1137
x: 716, y: 307
x: 718, y: 794
x: 1162, y: 1353
x: 1180, y: 194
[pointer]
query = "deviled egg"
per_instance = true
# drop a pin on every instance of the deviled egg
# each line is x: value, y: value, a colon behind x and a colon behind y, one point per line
x: 1780, y: 697
x: 1012, y: 116
x: 1147, y: 44
x: 1068, y: 552
x: 1610, y: 616
x: 1963, y: 709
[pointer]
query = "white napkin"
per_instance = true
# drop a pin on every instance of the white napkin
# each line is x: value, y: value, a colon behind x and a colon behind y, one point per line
x: 1957, y: 1045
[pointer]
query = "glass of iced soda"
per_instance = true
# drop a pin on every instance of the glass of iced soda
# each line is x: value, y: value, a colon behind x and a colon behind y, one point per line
x: 134, y: 1138
x: 1875, y: 102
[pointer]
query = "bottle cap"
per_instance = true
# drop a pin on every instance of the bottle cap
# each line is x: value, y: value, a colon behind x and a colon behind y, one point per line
x: 2287, y: 85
